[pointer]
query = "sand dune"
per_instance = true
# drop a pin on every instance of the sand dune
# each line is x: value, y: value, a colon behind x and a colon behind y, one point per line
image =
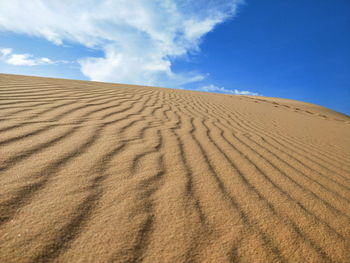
x: 98, y: 172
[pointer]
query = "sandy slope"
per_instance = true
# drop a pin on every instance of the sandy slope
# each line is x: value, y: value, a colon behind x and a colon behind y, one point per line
x: 97, y: 172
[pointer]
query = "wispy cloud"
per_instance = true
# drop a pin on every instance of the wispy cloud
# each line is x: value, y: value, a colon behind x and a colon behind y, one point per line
x: 213, y: 88
x: 139, y: 38
x: 7, y: 55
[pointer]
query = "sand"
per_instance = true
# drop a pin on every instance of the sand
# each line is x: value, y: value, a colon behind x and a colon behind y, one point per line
x: 98, y: 172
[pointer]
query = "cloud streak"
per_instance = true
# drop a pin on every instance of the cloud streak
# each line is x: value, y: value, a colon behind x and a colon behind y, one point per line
x: 213, y: 88
x: 139, y: 38
x: 7, y: 55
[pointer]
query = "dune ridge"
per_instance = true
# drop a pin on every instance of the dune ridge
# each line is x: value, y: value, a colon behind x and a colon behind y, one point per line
x: 102, y: 172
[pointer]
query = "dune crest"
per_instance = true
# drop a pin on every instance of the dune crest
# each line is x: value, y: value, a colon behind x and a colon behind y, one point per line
x: 101, y: 172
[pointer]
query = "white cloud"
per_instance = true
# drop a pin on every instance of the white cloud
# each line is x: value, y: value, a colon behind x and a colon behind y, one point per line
x: 213, y: 88
x: 7, y: 55
x: 139, y: 38
x: 5, y: 52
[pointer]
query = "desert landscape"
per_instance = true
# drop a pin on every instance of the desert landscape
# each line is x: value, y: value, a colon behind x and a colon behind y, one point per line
x: 102, y: 172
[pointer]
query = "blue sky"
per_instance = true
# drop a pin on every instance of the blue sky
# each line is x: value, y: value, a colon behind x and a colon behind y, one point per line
x: 297, y: 49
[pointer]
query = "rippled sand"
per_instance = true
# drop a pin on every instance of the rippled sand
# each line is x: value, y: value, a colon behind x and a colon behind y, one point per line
x: 98, y: 172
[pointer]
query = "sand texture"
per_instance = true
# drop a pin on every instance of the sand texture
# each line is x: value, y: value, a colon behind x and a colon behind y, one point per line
x: 98, y: 172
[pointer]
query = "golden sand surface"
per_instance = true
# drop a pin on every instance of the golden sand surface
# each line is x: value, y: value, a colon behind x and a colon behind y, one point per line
x: 101, y: 172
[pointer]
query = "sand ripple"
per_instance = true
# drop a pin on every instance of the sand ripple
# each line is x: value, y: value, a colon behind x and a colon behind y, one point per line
x: 98, y: 172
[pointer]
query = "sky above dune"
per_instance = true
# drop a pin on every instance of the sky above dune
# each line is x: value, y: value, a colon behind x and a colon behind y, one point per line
x: 290, y: 49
